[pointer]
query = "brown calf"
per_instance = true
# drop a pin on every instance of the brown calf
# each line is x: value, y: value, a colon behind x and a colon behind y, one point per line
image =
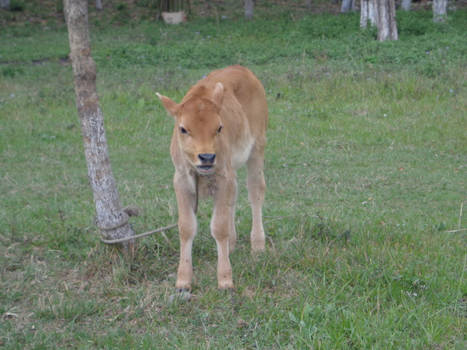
x: 219, y: 126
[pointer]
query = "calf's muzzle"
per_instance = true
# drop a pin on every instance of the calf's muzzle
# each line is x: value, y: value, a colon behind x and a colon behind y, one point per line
x: 207, y: 158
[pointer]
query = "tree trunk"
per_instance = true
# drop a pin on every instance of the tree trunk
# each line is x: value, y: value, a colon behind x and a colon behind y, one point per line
x: 387, y: 27
x: 346, y: 6
x: 440, y: 10
x: 406, y: 4
x: 364, y: 16
x: 249, y: 9
x: 99, y: 5
x: 372, y: 12
x: 5, y: 4
x: 308, y: 4
x: 111, y: 219
x: 368, y: 13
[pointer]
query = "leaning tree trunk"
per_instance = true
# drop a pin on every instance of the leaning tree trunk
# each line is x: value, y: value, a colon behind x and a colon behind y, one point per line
x: 4, y: 4
x: 249, y: 9
x: 368, y: 13
x: 406, y: 4
x: 440, y: 10
x: 99, y: 5
x: 387, y: 26
x: 111, y: 219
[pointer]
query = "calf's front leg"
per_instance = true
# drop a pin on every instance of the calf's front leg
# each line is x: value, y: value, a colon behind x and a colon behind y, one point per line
x: 221, y: 227
x: 187, y: 226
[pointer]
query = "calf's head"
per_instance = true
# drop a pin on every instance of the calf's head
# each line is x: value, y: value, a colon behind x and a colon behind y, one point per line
x: 198, y: 126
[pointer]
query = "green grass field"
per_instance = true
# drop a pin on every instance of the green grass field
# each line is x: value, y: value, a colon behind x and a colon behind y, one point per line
x: 366, y: 168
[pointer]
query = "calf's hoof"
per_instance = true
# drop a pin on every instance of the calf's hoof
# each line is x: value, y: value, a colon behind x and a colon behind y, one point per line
x: 227, y: 285
x: 181, y: 285
x: 257, y: 246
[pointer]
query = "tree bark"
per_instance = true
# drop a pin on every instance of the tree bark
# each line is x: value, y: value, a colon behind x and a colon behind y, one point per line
x: 99, y: 6
x: 440, y: 10
x: 308, y: 4
x: 111, y: 219
x: 368, y: 13
x: 346, y: 6
x: 364, y: 16
x: 406, y: 5
x: 372, y: 12
x: 5, y: 4
x: 387, y: 26
x: 249, y: 9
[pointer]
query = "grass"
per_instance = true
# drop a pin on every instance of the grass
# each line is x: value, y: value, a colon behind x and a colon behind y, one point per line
x: 365, y: 167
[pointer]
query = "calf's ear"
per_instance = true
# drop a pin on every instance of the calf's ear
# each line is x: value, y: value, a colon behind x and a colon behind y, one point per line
x: 169, y: 105
x: 218, y: 94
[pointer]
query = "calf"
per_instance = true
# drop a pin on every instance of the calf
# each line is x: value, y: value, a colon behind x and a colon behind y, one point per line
x: 219, y: 126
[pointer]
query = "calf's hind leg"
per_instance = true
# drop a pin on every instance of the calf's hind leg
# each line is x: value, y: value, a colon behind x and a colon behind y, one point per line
x: 256, y: 188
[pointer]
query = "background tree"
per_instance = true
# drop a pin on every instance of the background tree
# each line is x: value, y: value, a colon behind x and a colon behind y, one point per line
x: 440, y: 10
x: 368, y: 13
x: 99, y: 5
x: 4, y: 4
x: 406, y: 5
x: 111, y: 219
x: 346, y: 5
x: 249, y: 8
x: 386, y: 14
x: 308, y: 4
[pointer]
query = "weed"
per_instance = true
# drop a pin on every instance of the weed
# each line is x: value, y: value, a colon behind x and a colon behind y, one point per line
x: 11, y: 71
x: 122, y: 7
x: 16, y: 6
x: 59, y: 6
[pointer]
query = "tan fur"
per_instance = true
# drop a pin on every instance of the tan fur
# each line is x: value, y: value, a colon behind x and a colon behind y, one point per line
x: 224, y: 114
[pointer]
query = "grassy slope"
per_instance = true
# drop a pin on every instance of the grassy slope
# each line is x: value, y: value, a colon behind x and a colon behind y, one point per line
x: 365, y: 170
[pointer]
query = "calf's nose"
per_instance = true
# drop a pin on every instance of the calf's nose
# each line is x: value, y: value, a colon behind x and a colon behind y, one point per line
x: 207, y: 157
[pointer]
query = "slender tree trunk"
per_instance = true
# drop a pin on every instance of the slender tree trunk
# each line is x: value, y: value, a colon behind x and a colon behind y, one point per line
x: 440, y: 10
x: 249, y: 9
x: 368, y: 13
x: 99, y: 6
x: 111, y: 219
x: 5, y: 4
x: 308, y: 4
x: 406, y: 4
x: 387, y: 27
x: 364, y: 5
x: 372, y: 12
x: 346, y: 6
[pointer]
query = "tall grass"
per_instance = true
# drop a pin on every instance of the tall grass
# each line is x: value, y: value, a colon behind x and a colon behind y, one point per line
x: 365, y: 169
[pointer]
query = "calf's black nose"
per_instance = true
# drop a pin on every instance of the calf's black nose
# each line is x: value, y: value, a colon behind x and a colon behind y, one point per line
x: 207, y: 157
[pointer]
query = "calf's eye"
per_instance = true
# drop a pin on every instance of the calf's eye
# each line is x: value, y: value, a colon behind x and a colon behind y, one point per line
x: 220, y: 129
x: 183, y: 130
